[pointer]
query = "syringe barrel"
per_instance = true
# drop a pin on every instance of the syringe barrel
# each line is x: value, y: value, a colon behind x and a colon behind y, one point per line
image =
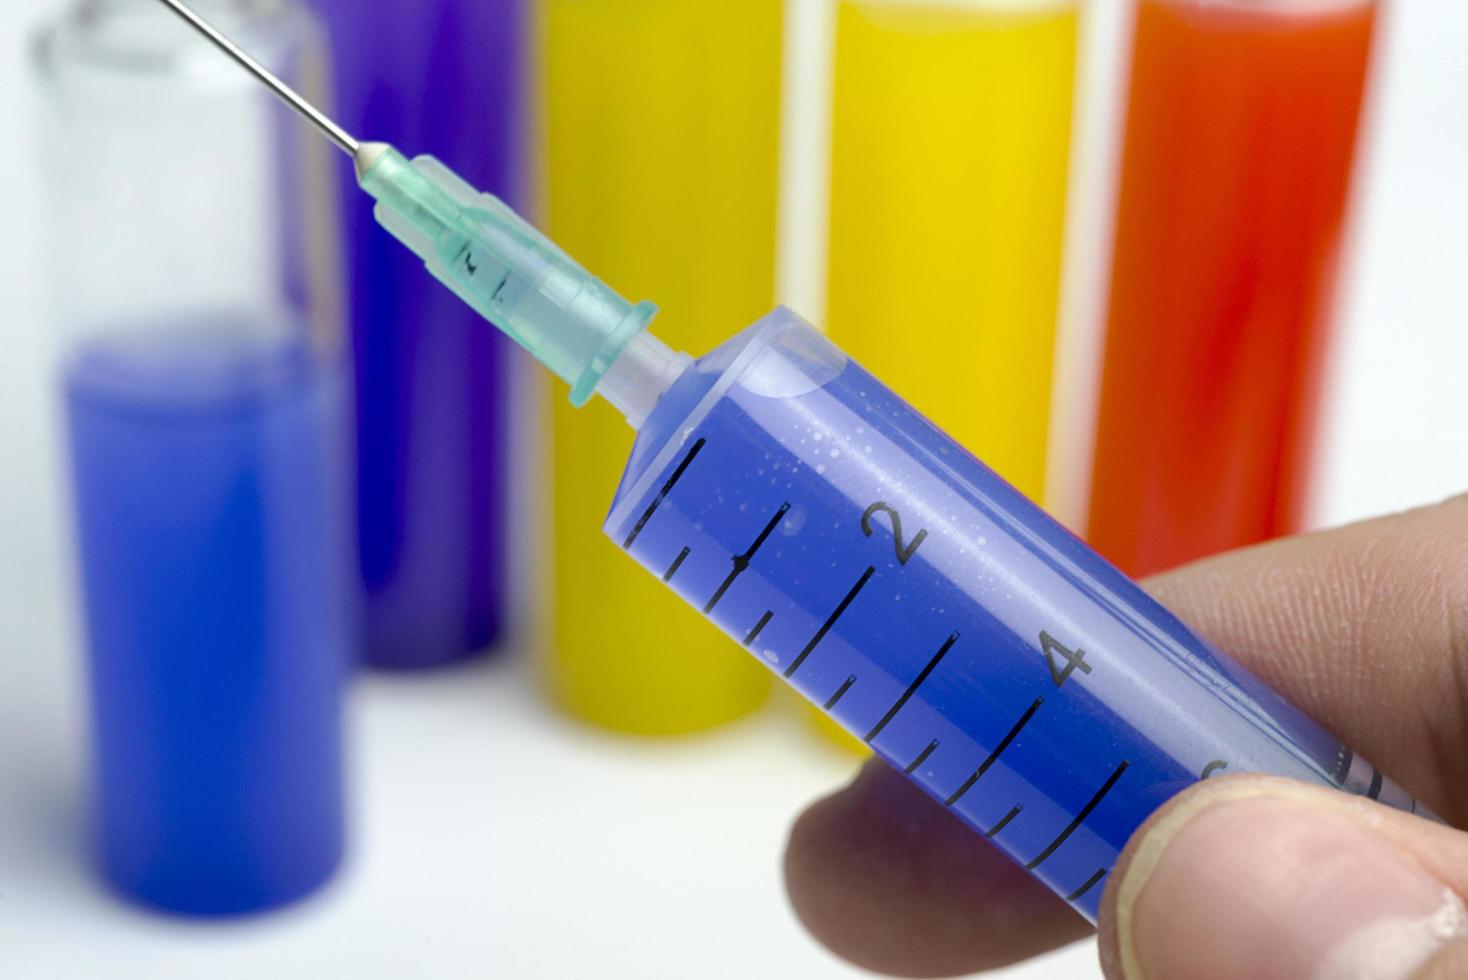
x: 936, y: 613
x: 504, y: 268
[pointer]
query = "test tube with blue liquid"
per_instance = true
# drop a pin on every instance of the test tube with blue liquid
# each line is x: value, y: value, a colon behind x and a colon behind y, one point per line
x: 204, y: 406
x: 865, y: 557
x: 432, y: 407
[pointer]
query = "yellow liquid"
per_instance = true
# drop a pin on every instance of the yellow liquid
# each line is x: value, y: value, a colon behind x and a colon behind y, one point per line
x: 950, y: 158
x: 662, y: 130
x: 949, y: 164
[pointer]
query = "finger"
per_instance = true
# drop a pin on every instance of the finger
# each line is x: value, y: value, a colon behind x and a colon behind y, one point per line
x: 1364, y: 628
x: 1450, y: 963
x: 1268, y: 879
x: 896, y: 884
x: 1310, y: 615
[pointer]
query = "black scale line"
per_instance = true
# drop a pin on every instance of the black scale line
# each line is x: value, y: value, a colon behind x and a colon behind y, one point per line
x: 1375, y: 789
x: 978, y: 773
x: 763, y: 621
x: 1079, y: 817
x: 840, y: 691
x: 667, y: 489
x: 673, y: 568
x: 741, y: 562
x: 830, y: 620
x: 922, y: 757
x: 1004, y: 820
x: 911, y: 688
x: 1090, y: 883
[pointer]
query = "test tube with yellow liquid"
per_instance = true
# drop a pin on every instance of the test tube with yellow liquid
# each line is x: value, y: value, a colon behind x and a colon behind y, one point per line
x: 950, y: 154
x: 662, y: 121
x: 950, y: 150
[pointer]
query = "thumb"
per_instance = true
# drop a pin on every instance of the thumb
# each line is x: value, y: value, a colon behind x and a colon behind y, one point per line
x: 1263, y: 878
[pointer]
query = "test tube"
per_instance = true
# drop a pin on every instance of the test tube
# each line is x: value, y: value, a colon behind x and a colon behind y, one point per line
x: 662, y: 129
x: 950, y: 151
x: 1240, y: 137
x: 204, y: 403
x: 950, y: 157
x: 432, y: 402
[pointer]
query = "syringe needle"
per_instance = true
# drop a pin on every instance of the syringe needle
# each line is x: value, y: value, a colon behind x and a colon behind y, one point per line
x: 283, y: 91
x: 511, y: 274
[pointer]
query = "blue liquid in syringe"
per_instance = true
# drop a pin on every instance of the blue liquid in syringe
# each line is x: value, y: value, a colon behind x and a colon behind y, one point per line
x: 940, y: 616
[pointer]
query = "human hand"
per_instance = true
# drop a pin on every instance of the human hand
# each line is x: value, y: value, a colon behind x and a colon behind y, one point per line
x: 1366, y: 629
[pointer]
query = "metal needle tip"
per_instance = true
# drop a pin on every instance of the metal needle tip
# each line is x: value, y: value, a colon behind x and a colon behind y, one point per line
x: 282, y: 91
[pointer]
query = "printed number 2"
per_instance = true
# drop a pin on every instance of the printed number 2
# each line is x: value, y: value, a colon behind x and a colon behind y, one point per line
x: 1055, y: 653
x: 904, y: 552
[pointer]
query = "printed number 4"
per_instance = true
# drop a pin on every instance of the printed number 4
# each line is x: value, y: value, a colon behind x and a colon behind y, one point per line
x: 1056, y: 653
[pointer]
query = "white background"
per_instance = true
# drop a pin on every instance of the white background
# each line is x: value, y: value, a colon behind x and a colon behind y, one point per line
x: 491, y: 837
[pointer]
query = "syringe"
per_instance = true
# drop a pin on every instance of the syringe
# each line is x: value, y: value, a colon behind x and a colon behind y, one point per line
x: 882, y: 570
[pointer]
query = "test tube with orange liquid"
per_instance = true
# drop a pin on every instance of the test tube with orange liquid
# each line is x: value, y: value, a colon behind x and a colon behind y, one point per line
x: 1240, y: 137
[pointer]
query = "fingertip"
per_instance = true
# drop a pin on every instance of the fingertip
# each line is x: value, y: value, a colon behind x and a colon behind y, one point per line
x: 1450, y: 963
x: 1262, y: 877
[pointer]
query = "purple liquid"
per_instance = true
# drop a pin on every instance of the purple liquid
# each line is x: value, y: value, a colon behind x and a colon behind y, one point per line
x: 440, y: 77
x: 215, y: 556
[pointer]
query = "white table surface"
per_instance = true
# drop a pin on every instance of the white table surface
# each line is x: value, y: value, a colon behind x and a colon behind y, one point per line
x: 491, y: 837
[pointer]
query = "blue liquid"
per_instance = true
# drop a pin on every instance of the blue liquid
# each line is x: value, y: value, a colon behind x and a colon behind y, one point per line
x: 436, y: 76
x: 898, y: 582
x: 211, y: 513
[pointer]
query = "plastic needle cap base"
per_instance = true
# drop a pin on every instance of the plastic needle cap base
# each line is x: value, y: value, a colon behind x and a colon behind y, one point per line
x: 496, y: 262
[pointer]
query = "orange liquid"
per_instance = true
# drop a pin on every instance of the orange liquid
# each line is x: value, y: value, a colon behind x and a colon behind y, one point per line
x: 1240, y: 136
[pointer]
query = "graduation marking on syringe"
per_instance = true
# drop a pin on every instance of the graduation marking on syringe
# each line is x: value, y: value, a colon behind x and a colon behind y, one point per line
x: 663, y: 493
x: 912, y: 688
x: 978, y: 773
x: 741, y: 562
x: 1079, y: 818
x: 830, y: 620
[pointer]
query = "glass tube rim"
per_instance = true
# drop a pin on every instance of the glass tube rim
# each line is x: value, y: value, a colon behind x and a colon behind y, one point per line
x: 111, y: 36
